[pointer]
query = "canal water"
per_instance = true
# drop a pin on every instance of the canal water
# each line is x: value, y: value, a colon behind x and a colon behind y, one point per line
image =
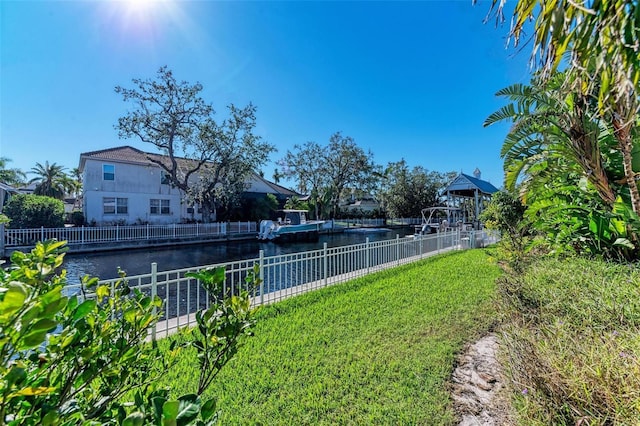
x: 105, y: 265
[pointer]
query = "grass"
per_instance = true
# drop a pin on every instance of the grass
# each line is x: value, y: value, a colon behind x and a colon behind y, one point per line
x: 376, y: 350
x: 572, y: 334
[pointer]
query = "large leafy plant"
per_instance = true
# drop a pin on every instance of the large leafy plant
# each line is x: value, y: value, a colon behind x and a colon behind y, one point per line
x: 80, y: 358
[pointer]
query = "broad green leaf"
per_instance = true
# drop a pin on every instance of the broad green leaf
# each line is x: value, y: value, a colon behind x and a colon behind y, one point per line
x: 14, y: 298
x: 45, y: 324
x: 170, y: 411
x: 134, y: 419
x: 83, y: 309
x: 188, y: 410
x: 102, y: 291
x: 32, y: 340
x: 208, y: 409
x: 623, y: 242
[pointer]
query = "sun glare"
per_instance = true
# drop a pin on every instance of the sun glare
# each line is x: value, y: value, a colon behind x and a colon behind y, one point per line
x: 136, y: 6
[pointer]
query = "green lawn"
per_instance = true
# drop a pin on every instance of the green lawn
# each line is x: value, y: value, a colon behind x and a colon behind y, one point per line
x: 376, y: 350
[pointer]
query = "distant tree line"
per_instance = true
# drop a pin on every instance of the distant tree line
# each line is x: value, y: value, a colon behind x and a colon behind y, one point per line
x: 210, y: 160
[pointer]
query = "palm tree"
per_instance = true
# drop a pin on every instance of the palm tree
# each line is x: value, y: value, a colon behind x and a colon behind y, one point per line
x: 600, y: 40
x: 555, y: 132
x: 14, y: 177
x: 51, y: 180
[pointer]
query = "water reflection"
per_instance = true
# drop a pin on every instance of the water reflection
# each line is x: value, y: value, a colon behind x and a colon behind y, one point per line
x: 134, y: 262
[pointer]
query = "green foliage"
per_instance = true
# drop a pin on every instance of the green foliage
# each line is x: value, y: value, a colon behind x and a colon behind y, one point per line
x: 571, y: 340
x: 77, y: 218
x: 505, y: 213
x: 326, y: 172
x: 51, y: 180
x: 221, y: 154
x: 34, y: 211
x: 71, y: 358
x: 294, y: 203
x: 14, y: 177
x: 405, y: 192
x: 262, y: 208
x: 376, y: 350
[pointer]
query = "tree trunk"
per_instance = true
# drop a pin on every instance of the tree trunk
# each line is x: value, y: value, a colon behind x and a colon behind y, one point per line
x: 625, y: 145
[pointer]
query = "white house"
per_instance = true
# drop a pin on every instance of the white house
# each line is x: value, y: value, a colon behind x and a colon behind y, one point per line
x: 122, y: 186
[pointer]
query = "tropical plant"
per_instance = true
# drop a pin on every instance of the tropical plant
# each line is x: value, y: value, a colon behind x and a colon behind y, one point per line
x: 14, y: 177
x: 78, y: 358
x: 561, y: 156
x: 599, y: 40
x: 51, y: 180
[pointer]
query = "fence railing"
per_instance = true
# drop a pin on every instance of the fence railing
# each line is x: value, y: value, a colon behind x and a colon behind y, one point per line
x: 105, y: 234
x: 407, y: 221
x: 284, y: 276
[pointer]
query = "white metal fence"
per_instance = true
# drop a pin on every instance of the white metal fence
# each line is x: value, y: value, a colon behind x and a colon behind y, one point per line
x: 106, y: 234
x: 407, y: 221
x: 284, y: 276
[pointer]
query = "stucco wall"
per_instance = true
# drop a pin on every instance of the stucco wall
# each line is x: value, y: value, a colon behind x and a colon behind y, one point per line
x: 139, y: 184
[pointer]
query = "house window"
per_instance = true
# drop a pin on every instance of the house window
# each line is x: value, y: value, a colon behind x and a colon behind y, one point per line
x: 164, y: 178
x: 112, y: 205
x: 108, y: 172
x: 159, y: 207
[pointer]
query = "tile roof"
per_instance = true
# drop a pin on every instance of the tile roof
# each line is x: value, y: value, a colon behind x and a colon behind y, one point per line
x: 129, y: 154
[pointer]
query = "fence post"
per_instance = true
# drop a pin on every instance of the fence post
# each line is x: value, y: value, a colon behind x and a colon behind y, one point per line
x: 261, y: 277
x: 174, y: 230
x: 42, y: 233
x: 3, y: 240
x: 438, y: 241
x: 397, y: 249
x: 368, y: 255
x: 326, y: 263
x: 154, y: 293
x: 420, y: 236
x: 147, y: 231
x: 117, y: 233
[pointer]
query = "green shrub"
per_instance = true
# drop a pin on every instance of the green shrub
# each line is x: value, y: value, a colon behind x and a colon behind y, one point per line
x: 34, y: 211
x: 83, y: 359
x: 77, y: 218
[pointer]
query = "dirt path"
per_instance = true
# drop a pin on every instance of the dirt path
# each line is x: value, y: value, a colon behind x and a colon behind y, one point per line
x: 478, y: 385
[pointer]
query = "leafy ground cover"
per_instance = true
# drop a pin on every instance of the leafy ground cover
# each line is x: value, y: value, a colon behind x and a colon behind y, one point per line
x: 376, y: 350
x: 572, y: 336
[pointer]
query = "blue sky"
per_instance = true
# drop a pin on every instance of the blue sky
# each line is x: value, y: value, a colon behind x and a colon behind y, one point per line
x: 411, y: 80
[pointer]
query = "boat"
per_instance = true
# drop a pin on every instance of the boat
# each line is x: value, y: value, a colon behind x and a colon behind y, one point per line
x: 436, y: 219
x: 291, y: 226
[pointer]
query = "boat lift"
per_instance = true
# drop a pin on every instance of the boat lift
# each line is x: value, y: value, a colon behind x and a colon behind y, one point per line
x: 436, y: 219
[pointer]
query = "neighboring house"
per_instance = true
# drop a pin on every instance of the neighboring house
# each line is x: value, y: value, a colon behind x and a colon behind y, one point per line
x: 469, y: 193
x: 5, y: 193
x: 366, y: 204
x: 121, y: 185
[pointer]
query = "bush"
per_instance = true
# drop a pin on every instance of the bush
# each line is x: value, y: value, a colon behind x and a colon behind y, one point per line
x: 77, y: 218
x: 34, y: 211
x: 83, y: 359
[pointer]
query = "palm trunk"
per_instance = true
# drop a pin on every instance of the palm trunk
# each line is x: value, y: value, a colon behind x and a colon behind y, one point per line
x: 625, y: 145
